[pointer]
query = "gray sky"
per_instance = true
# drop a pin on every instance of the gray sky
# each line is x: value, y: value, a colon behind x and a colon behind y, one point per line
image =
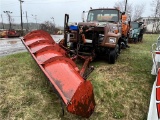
x: 45, y: 9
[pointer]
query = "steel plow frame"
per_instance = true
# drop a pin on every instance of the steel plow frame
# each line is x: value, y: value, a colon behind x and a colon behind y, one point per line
x: 75, y: 91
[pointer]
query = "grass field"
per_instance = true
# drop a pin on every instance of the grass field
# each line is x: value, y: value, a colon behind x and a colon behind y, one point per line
x: 122, y: 91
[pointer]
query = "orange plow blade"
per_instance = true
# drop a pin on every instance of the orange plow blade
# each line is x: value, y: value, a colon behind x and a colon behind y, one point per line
x: 76, y: 93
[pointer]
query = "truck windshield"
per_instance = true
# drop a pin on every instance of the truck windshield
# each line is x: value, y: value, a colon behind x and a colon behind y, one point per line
x: 134, y: 25
x: 103, y: 15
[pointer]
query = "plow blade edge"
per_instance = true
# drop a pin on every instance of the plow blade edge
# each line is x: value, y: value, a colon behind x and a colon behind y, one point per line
x: 76, y: 93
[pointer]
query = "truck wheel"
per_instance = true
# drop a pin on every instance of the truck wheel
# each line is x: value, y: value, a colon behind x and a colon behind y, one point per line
x: 140, y: 38
x: 113, y: 55
x: 136, y: 40
x: 119, y: 48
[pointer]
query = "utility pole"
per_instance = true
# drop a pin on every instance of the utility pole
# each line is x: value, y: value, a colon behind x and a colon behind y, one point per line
x: 21, y: 16
x: 27, y: 21
x: 53, y: 28
x: 53, y: 20
x: 9, y: 18
x: 2, y: 21
x: 126, y: 6
x: 36, y: 21
x: 35, y: 17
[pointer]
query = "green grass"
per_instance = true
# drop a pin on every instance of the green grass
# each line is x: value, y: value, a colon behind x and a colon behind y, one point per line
x: 122, y: 91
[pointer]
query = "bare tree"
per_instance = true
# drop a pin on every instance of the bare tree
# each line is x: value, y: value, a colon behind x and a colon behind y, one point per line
x: 134, y: 11
x: 156, y: 14
x: 121, y: 6
x: 48, y: 26
x: 138, y: 11
x: 9, y: 18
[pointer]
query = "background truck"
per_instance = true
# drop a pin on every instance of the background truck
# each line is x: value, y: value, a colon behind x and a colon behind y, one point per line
x: 9, y: 34
x: 136, y: 32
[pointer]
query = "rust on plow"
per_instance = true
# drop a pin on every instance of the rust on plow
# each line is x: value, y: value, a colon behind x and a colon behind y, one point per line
x: 76, y: 93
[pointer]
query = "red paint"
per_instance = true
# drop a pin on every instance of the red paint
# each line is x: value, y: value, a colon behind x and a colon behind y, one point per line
x: 158, y: 78
x: 158, y: 109
x: 85, y: 65
x: 157, y: 52
x: 62, y: 72
x: 158, y: 94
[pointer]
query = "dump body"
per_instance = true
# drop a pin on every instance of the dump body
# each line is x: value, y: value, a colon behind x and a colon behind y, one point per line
x: 62, y: 72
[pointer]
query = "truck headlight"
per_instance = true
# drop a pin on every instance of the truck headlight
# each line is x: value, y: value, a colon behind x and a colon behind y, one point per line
x: 112, y: 40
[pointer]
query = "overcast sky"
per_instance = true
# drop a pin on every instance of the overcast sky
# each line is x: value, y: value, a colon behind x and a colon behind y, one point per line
x: 45, y: 9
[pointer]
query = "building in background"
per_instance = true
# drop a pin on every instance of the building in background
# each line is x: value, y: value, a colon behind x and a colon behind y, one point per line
x: 152, y: 24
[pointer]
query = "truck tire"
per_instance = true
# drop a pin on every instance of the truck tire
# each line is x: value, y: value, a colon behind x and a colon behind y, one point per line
x: 113, y: 55
x: 140, y: 38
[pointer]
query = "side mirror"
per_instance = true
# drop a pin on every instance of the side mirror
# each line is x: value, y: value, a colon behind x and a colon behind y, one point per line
x: 83, y: 16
